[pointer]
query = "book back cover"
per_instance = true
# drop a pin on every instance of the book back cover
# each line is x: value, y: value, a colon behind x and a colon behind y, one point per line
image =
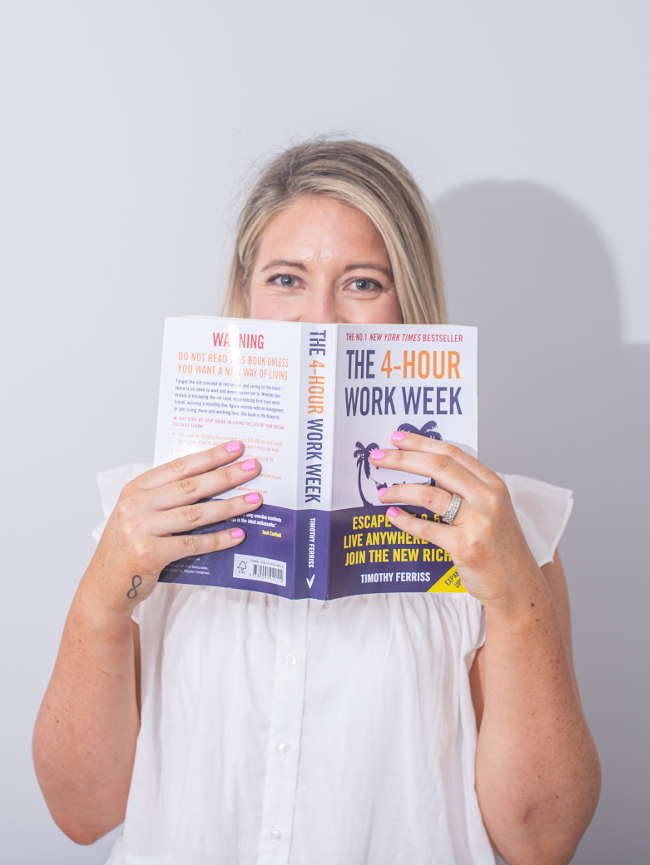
x: 226, y: 379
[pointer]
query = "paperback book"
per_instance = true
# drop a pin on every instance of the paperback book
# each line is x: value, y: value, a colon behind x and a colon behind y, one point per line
x: 310, y: 402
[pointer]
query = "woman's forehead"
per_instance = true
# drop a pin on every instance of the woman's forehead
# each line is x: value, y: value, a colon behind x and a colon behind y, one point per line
x: 321, y: 228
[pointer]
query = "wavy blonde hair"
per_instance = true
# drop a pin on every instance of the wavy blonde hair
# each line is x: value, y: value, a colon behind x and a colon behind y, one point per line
x: 361, y: 176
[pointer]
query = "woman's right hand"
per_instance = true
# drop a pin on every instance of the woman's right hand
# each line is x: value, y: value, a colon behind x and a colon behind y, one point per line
x: 142, y: 534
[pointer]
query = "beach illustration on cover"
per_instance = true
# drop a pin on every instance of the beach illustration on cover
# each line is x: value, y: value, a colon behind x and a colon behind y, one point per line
x: 372, y: 479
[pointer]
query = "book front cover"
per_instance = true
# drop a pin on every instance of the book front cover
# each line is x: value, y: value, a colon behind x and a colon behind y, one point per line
x: 419, y: 379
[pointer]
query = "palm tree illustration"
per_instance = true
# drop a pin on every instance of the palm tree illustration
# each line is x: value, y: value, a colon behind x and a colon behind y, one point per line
x: 362, y: 455
x: 428, y: 430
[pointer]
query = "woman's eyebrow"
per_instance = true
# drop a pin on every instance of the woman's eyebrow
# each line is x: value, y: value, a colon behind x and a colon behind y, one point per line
x: 281, y: 263
x: 368, y: 266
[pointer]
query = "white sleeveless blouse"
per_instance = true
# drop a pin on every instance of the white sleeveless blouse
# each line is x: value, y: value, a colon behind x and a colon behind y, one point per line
x: 308, y: 732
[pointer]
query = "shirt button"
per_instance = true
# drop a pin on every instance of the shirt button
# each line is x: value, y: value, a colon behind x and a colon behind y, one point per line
x: 291, y: 660
x: 276, y: 835
x: 285, y: 747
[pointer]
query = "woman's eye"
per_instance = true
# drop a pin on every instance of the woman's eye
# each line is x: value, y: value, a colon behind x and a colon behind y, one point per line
x: 285, y: 280
x: 365, y: 285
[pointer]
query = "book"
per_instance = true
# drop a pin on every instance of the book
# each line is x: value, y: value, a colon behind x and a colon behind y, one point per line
x: 310, y: 402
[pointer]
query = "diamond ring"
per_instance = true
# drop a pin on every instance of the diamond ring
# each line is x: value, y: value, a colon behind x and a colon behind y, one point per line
x: 452, y: 510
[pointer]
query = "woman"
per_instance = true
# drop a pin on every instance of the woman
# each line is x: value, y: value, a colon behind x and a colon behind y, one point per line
x: 395, y: 728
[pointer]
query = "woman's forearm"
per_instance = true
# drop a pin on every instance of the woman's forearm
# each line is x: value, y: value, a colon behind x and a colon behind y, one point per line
x: 537, y: 770
x: 86, y: 731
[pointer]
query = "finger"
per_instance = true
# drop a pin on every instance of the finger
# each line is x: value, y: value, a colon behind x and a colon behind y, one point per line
x: 204, y: 486
x: 189, y: 517
x: 424, y: 444
x: 192, y: 464
x: 427, y: 530
x: 444, y: 469
x: 421, y: 495
x: 179, y: 547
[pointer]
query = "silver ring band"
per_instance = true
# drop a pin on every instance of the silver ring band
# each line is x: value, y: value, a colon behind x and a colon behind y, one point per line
x: 452, y: 510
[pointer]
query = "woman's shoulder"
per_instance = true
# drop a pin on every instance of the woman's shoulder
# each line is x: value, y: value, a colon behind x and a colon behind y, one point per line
x: 543, y: 511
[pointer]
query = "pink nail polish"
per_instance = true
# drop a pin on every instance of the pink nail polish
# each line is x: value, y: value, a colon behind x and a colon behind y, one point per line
x: 233, y: 447
x: 252, y: 498
x: 248, y: 465
x: 237, y: 533
x: 398, y: 436
x: 392, y: 512
x: 381, y: 491
x: 377, y: 454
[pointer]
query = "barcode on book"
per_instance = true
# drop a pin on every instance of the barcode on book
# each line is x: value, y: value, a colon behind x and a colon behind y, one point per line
x: 262, y: 570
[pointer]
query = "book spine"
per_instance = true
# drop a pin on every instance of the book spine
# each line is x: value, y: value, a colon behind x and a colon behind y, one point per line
x: 316, y: 419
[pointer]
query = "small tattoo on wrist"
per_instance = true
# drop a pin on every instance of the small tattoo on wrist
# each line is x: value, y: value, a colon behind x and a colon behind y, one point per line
x: 136, y: 582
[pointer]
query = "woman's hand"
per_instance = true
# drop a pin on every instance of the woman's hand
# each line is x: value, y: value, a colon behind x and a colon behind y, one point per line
x: 484, y: 540
x: 537, y: 770
x: 142, y: 534
x: 87, y: 728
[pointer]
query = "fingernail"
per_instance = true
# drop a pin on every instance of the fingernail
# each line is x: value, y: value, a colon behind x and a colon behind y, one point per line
x: 233, y: 447
x: 237, y: 533
x: 248, y: 465
x: 398, y: 436
x: 392, y: 512
x: 252, y: 498
x: 377, y: 454
x: 381, y: 491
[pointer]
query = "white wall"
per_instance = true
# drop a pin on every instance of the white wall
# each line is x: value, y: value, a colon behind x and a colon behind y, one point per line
x: 126, y: 128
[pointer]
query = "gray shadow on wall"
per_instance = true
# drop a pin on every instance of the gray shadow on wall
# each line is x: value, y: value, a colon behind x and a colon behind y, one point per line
x: 562, y: 399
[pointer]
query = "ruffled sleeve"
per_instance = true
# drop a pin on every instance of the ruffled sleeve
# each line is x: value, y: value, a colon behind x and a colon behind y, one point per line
x: 543, y: 511
x: 110, y: 485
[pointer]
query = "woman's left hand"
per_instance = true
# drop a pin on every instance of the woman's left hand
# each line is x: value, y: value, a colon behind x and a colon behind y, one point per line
x: 484, y: 540
x: 537, y: 770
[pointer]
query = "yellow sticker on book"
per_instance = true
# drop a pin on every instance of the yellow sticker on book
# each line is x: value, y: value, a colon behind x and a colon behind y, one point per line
x: 449, y: 582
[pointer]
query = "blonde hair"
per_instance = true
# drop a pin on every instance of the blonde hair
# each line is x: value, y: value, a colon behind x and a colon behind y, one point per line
x: 361, y: 176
